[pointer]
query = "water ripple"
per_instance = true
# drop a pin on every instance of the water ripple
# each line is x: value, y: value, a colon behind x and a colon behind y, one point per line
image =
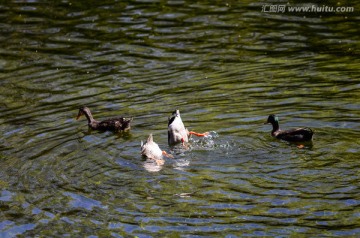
x: 226, y: 66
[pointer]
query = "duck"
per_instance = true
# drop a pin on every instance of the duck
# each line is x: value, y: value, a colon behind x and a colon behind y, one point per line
x: 177, y: 133
x: 293, y: 135
x: 114, y: 124
x: 151, y: 150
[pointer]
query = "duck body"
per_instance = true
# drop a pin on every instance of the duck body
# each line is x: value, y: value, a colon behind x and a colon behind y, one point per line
x: 292, y: 135
x: 177, y: 133
x: 151, y: 150
x: 112, y: 124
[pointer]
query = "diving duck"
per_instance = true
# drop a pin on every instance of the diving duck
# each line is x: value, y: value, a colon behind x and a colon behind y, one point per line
x: 177, y: 133
x: 113, y: 124
x: 151, y: 150
x: 293, y: 135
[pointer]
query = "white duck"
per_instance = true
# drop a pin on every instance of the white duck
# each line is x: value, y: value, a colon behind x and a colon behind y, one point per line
x: 177, y: 133
x: 152, y: 151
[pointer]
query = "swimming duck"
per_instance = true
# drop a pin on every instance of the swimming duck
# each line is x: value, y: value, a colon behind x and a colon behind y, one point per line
x: 177, y: 133
x: 151, y: 150
x: 294, y: 135
x: 113, y: 124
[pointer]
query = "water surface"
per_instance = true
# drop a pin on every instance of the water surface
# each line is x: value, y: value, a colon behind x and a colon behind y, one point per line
x: 226, y: 67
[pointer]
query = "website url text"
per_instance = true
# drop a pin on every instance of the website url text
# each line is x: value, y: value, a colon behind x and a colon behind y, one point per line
x: 303, y: 9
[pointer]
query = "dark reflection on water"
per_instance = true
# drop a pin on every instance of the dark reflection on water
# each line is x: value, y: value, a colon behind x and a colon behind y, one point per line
x: 226, y: 66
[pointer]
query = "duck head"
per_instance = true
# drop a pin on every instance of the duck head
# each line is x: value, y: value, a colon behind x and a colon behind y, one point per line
x: 274, y: 121
x: 85, y: 111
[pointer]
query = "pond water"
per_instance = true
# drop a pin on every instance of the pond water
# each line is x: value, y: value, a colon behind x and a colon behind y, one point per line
x: 226, y: 66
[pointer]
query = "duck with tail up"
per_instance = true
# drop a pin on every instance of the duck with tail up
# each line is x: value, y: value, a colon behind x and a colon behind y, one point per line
x: 293, y: 135
x: 114, y: 124
x: 151, y: 150
x: 177, y: 133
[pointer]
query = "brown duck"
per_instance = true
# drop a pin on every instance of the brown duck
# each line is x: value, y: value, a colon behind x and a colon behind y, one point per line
x: 112, y: 124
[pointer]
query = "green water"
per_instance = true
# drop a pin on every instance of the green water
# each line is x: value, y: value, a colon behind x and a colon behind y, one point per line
x: 226, y: 66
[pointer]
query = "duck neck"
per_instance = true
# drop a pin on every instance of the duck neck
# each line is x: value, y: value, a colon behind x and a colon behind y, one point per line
x: 89, y: 117
x: 275, y: 126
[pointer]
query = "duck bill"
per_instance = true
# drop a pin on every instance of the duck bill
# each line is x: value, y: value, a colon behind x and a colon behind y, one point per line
x: 79, y: 115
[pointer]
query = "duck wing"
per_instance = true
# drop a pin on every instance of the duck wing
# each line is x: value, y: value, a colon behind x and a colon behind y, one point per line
x: 115, y: 124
